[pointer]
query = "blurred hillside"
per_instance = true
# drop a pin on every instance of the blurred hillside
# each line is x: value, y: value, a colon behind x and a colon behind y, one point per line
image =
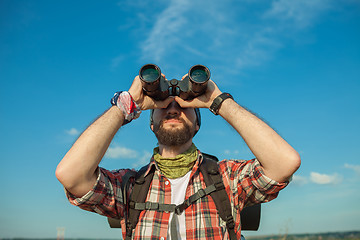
x: 353, y: 235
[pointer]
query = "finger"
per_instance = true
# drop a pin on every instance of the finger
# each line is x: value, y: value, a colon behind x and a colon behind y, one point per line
x: 164, y: 103
x: 197, y: 102
x: 185, y: 103
x: 163, y: 75
x: 184, y: 77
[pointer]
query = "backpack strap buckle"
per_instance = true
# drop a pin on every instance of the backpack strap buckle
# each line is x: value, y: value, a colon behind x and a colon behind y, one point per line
x: 179, y: 209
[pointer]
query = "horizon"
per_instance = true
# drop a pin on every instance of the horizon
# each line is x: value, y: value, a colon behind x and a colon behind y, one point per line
x: 247, y: 237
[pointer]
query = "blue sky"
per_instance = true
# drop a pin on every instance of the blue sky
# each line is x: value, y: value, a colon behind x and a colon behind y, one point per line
x: 294, y: 63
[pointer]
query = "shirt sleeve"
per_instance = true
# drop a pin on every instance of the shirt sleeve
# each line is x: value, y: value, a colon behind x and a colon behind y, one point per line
x: 250, y: 183
x: 106, y: 196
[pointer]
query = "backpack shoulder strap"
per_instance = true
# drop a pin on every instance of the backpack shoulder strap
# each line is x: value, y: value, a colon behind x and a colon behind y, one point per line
x: 138, y: 195
x: 250, y: 216
x: 210, y: 171
x: 115, y: 222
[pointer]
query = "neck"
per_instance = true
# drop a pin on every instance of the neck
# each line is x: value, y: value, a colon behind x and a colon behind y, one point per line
x: 173, y: 151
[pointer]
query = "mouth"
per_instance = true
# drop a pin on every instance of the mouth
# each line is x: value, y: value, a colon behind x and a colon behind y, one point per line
x: 172, y: 120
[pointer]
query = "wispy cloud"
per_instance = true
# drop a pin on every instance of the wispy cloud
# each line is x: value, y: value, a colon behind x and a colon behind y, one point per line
x: 230, y: 152
x: 298, y: 13
x: 317, y: 178
x: 299, y: 180
x: 224, y: 32
x: 72, y: 132
x: 143, y: 160
x: 165, y: 33
x: 320, y: 178
x: 139, y: 159
x: 355, y: 168
x: 116, y: 61
x: 120, y: 152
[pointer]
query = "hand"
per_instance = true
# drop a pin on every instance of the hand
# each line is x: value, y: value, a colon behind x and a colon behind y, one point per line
x: 142, y: 100
x: 203, y: 101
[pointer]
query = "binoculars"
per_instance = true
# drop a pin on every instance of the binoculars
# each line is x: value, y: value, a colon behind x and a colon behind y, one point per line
x: 158, y: 88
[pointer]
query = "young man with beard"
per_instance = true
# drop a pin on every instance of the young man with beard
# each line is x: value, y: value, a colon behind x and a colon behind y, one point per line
x: 176, y: 161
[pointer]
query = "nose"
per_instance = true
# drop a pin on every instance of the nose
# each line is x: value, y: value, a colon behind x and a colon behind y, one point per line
x: 173, y: 108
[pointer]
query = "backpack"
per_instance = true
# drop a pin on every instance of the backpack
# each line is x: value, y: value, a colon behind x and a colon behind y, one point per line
x: 250, y: 216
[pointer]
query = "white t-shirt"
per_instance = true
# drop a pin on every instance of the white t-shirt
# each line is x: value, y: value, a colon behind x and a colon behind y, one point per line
x: 178, y: 191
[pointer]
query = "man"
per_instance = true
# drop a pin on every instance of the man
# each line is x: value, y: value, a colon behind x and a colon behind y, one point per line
x: 177, y: 161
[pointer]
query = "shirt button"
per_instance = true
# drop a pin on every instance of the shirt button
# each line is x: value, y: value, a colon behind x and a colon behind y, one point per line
x: 166, y: 183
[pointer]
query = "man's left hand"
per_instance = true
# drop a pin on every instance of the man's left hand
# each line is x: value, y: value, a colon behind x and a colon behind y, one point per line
x: 203, y: 101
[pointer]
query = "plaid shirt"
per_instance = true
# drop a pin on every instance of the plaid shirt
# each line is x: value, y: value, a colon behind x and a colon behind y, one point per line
x: 244, y: 181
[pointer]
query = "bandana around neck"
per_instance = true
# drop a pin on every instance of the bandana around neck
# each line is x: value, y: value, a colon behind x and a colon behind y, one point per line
x: 178, y: 166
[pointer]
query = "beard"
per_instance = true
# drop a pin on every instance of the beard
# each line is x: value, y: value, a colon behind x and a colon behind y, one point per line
x: 173, y: 136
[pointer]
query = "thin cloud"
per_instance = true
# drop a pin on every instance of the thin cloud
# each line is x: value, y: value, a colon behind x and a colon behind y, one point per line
x: 216, y: 33
x: 230, y: 152
x: 115, y: 62
x: 118, y: 152
x: 143, y: 160
x: 299, y: 13
x: 258, y: 49
x: 72, y: 132
x: 355, y: 168
x: 299, y: 180
x: 320, y: 178
x: 165, y: 32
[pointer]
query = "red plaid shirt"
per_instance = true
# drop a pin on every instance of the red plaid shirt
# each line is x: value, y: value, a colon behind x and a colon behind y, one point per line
x: 244, y: 181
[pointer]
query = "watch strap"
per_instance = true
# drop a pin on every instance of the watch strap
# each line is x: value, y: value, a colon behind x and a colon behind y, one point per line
x: 214, y: 108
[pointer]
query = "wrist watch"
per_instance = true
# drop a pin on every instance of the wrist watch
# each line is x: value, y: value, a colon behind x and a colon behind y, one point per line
x: 214, y: 108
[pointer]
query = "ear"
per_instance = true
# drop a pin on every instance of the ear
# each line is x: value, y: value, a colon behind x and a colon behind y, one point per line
x: 152, y: 127
x: 197, y: 127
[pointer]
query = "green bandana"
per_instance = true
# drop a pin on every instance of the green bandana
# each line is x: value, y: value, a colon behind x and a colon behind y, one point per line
x: 177, y: 166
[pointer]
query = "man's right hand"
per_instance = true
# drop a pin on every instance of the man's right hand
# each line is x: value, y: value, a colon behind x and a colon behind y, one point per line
x: 142, y: 100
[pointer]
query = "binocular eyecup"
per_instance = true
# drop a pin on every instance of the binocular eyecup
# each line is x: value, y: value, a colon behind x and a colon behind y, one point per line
x: 158, y: 88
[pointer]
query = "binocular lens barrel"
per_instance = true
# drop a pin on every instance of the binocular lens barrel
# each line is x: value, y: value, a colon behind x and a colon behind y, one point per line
x: 157, y: 87
x: 150, y: 73
x: 199, y: 74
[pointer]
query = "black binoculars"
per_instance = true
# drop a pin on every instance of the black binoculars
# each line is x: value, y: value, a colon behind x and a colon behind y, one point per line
x: 158, y: 88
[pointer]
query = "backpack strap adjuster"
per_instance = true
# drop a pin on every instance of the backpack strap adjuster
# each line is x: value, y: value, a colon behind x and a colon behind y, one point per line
x: 131, y: 204
x: 230, y: 222
x: 219, y: 186
x: 201, y: 193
